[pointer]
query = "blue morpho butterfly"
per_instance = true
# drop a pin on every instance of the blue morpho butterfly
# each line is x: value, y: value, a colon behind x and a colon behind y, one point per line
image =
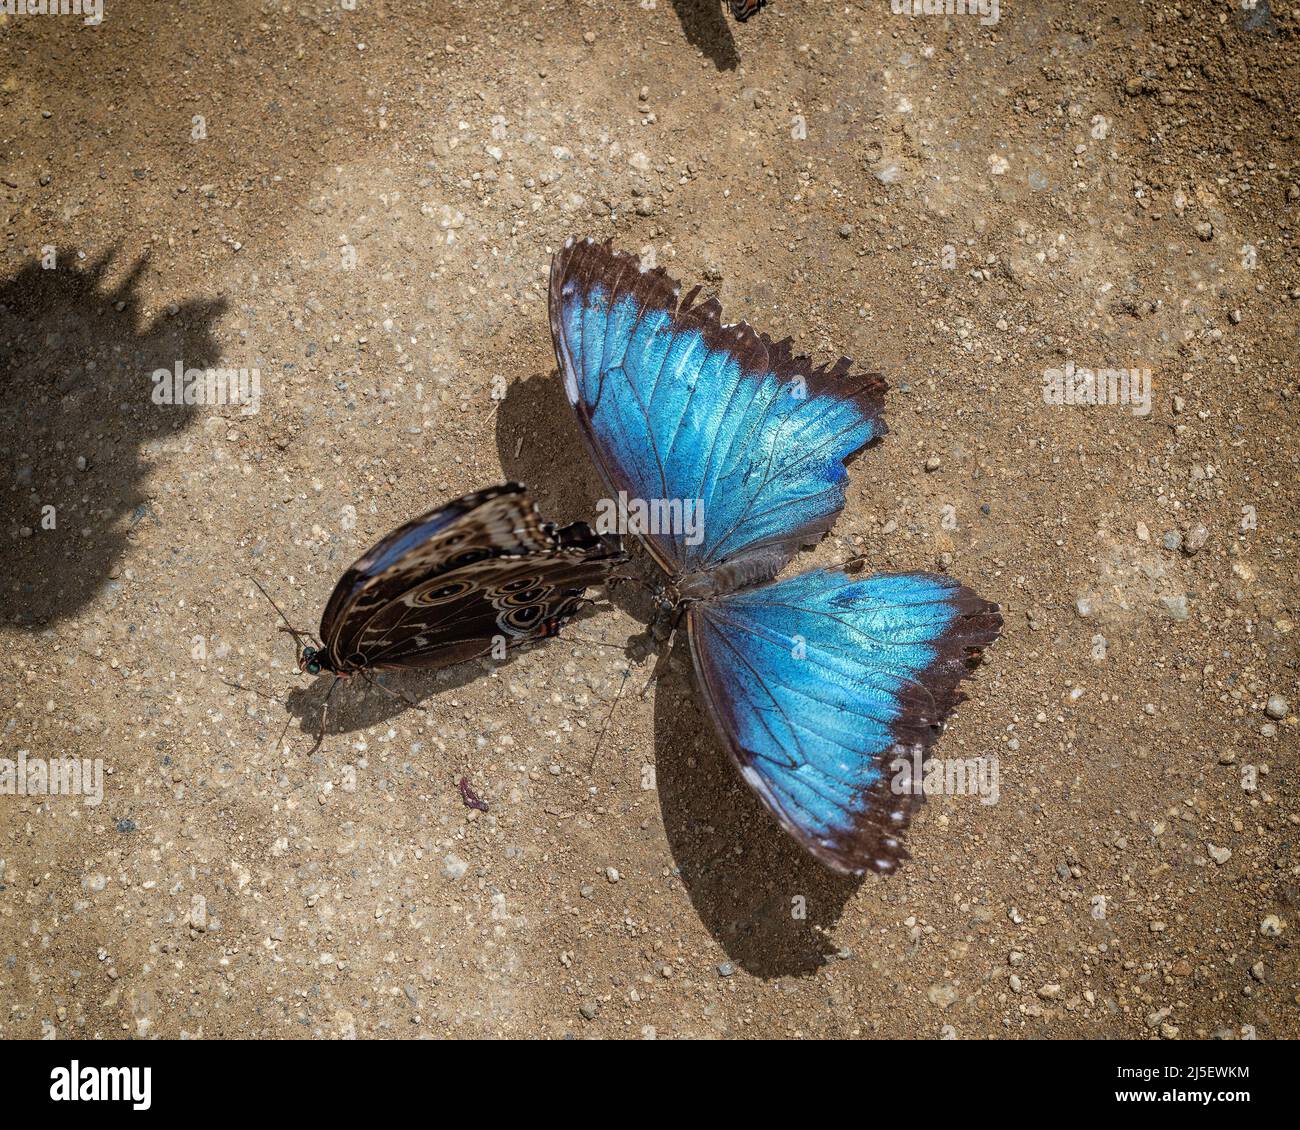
x: 477, y: 575
x: 818, y: 684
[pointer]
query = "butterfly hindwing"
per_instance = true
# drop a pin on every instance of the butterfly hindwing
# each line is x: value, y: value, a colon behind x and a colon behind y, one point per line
x: 821, y: 683
x: 458, y: 581
x: 677, y: 406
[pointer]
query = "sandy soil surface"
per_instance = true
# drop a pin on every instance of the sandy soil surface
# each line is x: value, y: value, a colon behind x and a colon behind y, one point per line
x: 361, y: 201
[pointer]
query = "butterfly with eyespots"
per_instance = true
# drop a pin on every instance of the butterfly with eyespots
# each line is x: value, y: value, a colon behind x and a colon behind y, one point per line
x: 481, y: 575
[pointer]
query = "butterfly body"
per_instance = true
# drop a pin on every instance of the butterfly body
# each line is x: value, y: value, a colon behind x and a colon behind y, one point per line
x: 816, y: 683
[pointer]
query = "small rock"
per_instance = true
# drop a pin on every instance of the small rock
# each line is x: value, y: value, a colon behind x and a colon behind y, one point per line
x: 933, y: 463
x: 1175, y: 607
x: 453, y: 867
x: 1271, y: 926
x: 1173, y: 540
x: 1276, y: 707
x: 1196, y: 538
x: 726, y: 969
x: 942, y: 995
x: 1220, y: 855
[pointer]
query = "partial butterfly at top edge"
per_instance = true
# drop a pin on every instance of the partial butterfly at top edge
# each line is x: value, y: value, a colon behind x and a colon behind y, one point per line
x: 743, y: 9
x: 820, y: 684
x: 479, y: 574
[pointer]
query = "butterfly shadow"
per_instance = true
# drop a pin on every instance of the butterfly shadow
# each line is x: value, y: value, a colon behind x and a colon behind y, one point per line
x: 355, y: 704
x: 704, y: 23
x: 79, y: 419
x: 359, y: 702
x: 769, y: 904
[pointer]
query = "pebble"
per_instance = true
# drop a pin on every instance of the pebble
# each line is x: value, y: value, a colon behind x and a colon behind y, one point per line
x: 933, y: 463
x: 611, y: 873
x: 589, y: 1010
x: 1173, y: 540
x: 453, y: 867
x: 1196, y: 538
x: 1175, y: 607
x: 1271, y: 926
x: 726, y: 969
x: 942, y: 995
x: 1276, y: 707
x: 1220, y: 855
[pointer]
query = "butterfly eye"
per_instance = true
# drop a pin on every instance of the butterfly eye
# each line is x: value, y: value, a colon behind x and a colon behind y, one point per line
x: 516, y: 586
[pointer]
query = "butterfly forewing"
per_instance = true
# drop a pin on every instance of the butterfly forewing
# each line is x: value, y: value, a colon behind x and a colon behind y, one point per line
x: 479, y: 574
x: 678, y: 407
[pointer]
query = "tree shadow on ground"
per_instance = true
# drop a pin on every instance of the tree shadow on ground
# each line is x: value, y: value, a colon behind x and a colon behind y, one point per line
x: 76, y: 360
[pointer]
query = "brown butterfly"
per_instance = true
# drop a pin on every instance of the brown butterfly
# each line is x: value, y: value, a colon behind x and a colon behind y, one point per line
x: 479, y: 576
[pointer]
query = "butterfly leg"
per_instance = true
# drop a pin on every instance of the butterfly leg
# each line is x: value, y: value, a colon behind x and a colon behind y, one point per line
x: 324, y: 707
x: 401, y: 696
x: 665, y: 650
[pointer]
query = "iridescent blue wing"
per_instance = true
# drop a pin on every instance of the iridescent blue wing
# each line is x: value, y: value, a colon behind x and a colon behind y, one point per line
x: 676, y: 406
x: 818, y: 684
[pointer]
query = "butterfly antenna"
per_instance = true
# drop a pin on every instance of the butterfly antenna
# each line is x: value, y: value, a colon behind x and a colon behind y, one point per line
x: 260, y: 694
x: 298, y: 634
x: 608, y: 718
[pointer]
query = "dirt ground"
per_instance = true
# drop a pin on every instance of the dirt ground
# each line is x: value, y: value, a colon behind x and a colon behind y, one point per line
x: 360, y: 200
